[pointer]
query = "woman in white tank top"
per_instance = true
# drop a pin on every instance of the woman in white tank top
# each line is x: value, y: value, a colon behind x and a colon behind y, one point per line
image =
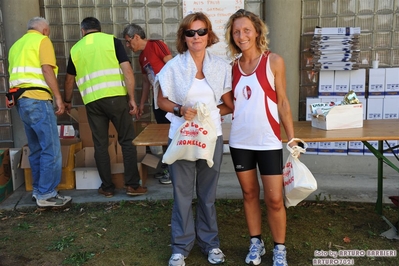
x: 260, y: 103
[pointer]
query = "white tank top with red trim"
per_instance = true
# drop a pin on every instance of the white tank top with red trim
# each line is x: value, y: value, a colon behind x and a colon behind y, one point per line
x: 255, y: 124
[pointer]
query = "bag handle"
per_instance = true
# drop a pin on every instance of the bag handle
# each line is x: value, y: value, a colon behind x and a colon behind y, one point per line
x: 297, y: 150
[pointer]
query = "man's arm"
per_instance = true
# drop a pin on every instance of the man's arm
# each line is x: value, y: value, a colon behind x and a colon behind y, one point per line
x: 51, y: 80
x: 167, y: 58
x: 48, y: 63
x: 68, y: 91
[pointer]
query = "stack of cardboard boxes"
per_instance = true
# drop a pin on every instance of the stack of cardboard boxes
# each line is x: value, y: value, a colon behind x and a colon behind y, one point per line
x: 380, y: 101
x: 11, y: 175
x: 86, y: 174
x: 79, y: 169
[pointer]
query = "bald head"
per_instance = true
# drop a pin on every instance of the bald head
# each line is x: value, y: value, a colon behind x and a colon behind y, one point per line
x: 40, y: 24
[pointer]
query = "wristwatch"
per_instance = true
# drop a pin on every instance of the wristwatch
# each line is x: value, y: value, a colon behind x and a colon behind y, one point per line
x: 176, y: 110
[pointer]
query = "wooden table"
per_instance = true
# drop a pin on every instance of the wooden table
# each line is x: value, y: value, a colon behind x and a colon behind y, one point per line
x: 372, y: 130
x: 157, y: 134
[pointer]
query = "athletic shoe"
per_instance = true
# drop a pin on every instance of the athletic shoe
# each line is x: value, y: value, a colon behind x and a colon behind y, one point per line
x: 57, y: 201
x: 215, y: 256
x: 256, y: 251
x: 165, y: 180
x: 177, y: 260
x: 162, y: 173
x: 280, y: 256
x: 136, y: 191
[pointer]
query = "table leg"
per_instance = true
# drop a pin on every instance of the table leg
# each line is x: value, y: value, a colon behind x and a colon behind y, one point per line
x: 380, y: 176
x: 381, y: 159
x: 378, y: 153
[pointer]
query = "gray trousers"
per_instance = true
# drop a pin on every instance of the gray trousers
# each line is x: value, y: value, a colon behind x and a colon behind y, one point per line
x: 185, y: 176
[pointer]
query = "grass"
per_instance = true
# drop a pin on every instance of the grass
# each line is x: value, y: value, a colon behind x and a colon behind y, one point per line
x: 138, y: 233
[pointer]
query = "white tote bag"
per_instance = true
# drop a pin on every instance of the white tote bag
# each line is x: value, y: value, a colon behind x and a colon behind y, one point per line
x: 299, y: 182
x: 194, y: 139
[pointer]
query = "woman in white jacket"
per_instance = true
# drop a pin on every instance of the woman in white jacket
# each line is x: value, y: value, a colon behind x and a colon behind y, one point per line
x: 195, y: 75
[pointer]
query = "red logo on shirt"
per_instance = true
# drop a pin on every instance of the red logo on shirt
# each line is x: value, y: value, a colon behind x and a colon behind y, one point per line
x: 246, y: 92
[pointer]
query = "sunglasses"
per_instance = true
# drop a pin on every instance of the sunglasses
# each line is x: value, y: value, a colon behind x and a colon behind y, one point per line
x: 200, y: 32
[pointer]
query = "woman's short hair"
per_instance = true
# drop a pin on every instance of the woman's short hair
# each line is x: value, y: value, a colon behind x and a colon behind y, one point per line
x: 185, y: 24
x: 261, y: 28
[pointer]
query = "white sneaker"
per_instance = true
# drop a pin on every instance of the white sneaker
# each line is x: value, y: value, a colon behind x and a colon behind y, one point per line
x: 215, y: 256
x: 280, y: 256
x: 57, y: 201
x: 177, y: 259
x: 256, y: 251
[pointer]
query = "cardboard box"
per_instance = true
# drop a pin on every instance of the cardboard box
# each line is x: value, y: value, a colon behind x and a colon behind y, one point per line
x: 344, y: 31
x: 388, y: 148
x: 313, y: 148
x: 79, y: 115
x: 333, y: 148
x: 68, y: 149
x: 146, y: 160
x: 6, y: 187
x: 375, y: 108
x: 357, y: 82
x: 374, y: 144
x: 324, y: 147
x: 341, y: 82
x: 17, y: 174
x: 392, y: 81
x: 390, y: 107
x: 326, y: 83
x: 377, y: 82
x: 87, y: 176
x: 86, y: 173
x: 66, y: 131
x: 355, y: 148
x: 340, y: 117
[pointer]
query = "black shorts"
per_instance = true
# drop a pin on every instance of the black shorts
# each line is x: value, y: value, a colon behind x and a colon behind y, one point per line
x: 269, y: 162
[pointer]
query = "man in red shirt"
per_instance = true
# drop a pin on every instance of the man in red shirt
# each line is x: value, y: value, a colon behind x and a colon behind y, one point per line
x: 154, y: 55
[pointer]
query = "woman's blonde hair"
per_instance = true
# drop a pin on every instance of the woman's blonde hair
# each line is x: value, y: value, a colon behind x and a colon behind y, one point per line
x: 261, y: 28
x: 181, y: 44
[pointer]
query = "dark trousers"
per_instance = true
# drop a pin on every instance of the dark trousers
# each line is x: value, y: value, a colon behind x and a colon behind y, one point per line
x: 116, y: 110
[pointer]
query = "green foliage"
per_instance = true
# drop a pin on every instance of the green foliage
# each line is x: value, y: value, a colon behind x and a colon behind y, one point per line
x: 24, y: 226
x: 78, y: 258
x: 138, y: 233
x: 60, y: 245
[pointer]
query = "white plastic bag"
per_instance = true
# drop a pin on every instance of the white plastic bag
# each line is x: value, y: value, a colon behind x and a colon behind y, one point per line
x: 299, y: 182
x: 194, y: 139
x: 156, y: 150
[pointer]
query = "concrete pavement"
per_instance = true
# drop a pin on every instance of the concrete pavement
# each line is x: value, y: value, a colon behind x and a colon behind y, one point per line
x: 355, y: 185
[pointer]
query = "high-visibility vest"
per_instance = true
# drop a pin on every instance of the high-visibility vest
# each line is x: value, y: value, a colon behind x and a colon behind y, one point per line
x: 98, y: 74
x: 24, y: 62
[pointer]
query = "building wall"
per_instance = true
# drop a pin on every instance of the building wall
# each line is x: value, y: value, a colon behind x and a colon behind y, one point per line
x: 159, y: 18
x: 291, y: 24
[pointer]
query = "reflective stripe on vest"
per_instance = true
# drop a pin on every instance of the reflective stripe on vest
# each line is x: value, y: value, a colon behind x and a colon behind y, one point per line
x: 98, y: 74
x: 24, y: 62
